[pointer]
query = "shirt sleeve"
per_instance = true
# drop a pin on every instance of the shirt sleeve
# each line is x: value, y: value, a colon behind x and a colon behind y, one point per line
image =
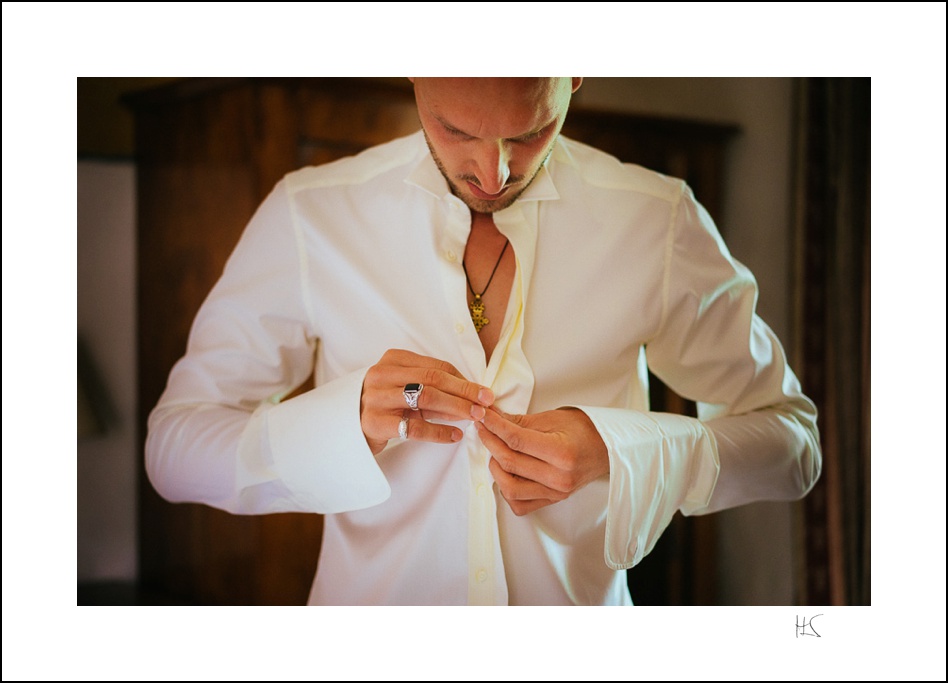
x: 221, y: 433
x: 755, y: 437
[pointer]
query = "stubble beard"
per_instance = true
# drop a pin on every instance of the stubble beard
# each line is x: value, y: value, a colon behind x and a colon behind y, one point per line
x: 484, y: 205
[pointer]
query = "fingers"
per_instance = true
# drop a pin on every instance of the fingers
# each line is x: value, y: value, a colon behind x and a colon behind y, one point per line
x: 401, y: 367
x: 510, y: 460
x: 513, y: 431
x: 525, y: 507
x: 515, y: 487
x: 436, y: 402
x: 505, y: 427
x: 542, y: 458
x: 522, y: 495
x: 446, y: 395
x: 418, y: 429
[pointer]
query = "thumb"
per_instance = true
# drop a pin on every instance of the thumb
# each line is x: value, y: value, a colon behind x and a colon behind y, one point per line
x: 516, y: 418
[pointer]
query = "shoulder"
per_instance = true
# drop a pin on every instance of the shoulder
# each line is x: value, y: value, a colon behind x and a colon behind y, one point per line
x: 596, y: 168
x: 374, y: 163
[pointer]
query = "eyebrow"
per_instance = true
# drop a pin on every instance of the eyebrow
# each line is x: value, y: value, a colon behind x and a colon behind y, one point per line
x: 525, y: 136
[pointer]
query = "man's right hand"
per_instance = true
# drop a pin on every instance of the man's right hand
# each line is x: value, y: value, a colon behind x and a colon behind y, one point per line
x: 447, y: 395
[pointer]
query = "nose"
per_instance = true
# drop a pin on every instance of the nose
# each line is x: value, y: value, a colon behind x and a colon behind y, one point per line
x: 493, y: 166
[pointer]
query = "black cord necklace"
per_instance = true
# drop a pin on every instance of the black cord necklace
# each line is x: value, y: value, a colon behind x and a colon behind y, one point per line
x: 477, y: 306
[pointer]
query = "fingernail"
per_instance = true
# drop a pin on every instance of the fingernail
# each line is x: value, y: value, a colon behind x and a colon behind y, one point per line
x: 485, y: 396
x: 456, y: 435
x: 478, y: 412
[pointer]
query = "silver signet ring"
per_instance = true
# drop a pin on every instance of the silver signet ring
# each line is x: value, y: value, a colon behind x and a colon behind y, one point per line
x: 411, y: 393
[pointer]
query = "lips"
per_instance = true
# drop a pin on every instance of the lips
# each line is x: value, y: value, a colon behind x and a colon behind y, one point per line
x: 480, y: 194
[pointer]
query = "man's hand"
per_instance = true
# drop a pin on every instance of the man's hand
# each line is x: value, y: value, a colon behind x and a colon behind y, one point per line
x: 543, y: 458
x: 446, y: 396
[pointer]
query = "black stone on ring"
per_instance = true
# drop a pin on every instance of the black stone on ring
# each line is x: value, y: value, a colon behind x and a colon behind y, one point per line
x: 411, y: 393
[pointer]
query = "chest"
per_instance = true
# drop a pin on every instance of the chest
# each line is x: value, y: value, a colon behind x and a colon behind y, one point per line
x: 589, y: 295
x: 490, y: 268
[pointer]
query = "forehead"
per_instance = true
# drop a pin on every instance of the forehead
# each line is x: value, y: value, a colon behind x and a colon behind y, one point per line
x: 493, y: 107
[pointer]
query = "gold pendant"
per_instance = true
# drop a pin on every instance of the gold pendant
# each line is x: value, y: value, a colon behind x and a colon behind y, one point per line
x: 477, y: 313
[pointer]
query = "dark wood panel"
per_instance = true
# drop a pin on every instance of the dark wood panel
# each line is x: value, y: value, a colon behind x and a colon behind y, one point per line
x: 196, y: 191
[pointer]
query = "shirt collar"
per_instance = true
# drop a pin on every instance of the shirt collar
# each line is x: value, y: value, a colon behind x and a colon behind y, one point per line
x: 426, y: 176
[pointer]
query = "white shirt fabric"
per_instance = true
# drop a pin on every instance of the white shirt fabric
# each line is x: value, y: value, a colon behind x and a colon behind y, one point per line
x: 616, y: 267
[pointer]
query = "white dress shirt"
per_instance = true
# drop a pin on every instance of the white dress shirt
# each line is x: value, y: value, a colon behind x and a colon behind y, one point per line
x: 616, y: 267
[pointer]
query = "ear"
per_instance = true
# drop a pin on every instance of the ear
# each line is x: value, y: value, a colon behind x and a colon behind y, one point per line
x: 576, y: 83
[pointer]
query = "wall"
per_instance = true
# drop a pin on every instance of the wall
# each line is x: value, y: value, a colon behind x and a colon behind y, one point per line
x: 754, y: 542
x: 105, y: 468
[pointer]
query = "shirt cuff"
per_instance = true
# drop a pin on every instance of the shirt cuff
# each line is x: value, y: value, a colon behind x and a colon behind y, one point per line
x: 320, y: 452
x: 659, y: 463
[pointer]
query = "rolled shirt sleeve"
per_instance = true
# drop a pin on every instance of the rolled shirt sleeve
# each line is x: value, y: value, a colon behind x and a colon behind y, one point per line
x: 328, y: 417
x: 659, y: 464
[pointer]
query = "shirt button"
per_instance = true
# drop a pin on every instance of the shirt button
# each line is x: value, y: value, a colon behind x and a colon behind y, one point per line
x: 451, y: 256
x: 459, y: 328
x: 481, y: 576
x: 481, y: 490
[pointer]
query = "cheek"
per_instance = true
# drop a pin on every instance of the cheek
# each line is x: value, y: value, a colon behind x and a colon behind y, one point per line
x: 531, y: 156
x: 449, y: 151
x: 526, y: 161
x: 452, y: 154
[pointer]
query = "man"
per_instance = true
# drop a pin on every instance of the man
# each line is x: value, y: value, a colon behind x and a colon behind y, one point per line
x: 481, y: 303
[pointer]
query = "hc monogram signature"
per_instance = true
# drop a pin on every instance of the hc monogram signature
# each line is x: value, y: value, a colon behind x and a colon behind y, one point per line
x: 802, y: 627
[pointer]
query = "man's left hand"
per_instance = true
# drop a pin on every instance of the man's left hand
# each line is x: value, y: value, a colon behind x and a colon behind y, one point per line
x: 542, y: 458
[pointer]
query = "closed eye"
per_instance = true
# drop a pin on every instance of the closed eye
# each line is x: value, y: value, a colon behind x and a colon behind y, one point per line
x: 528, y: 138
x: 532, y: 137
x: 454, y: 132
x: 523, y: 139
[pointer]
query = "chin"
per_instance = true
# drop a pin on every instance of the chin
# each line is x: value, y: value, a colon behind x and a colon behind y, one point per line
x: 481, y: 206
x: 487, y: 205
